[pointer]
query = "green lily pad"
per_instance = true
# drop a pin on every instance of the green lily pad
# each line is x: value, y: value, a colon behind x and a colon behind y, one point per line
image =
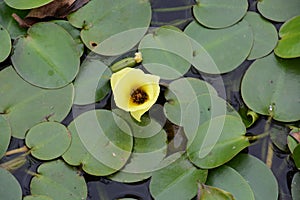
x: 212, y: 193
x: 92, y: 82
x: 5, y: 44
x: 10, y: 188
x: 217, y: 141
x: 296, y: 156
x: 265, y: 35
x: 45, y: 60
x: 219, y: 51
x: 289, y: 44
x: 26, y: 4
x: 180, y: 93
x: 59, y: 181
x: 74, y: 32
x: 279, y: 10
x: 166, y: 52
x: 202, y: 109
x: 178, y: 180
x: 37, y: 197
x: 295, y: 187
x: 146, y: 156
x: 25, y: 105
x: 260, y: 178
x: 8, y: 22
x: 218, y: 13
x: 5, y: 134
x: 271, y: 87
x: 126, y: 22
x: 279, y: 136
x: 102, y: 144
x: 48, y: 140
x: 228, y: 179
x: 292, y: 143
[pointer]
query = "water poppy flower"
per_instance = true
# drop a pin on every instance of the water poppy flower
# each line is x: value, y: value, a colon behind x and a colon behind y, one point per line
x: 134, y: 91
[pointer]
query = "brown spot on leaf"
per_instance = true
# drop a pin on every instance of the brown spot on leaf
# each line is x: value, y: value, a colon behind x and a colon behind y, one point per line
x: 93, y: 44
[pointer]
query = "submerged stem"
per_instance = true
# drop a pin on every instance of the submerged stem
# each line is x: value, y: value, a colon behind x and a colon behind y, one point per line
x: 19, y: 150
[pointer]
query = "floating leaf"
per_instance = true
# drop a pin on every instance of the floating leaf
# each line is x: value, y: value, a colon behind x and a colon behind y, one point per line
x: 202, y: 109
x: 278, y: 92
x: 26, y: 4
x: 166, y: 52
x: 231, y: 181
x: 59, y: 181
x: 146, y: 155
x: 8, y: 22
x: 217, y: 141
x: 220, y: 50
x: 9, y: 186
x: 213, y: 193
x: 48, y: 140
x: 289, y: 44
x: 295, y: 188
x: 218, y: 13
x: 279, y: 10
x: 178, y: 180
x: 278, y: 136
x: 74, y: 32
x: 296, y: 156
x: 127, y: 23
x: 258, y: 176
x: 292, y: 143
x: 92, y: 82
x: 5, y: 44
x: 265, y: 35
x: 25, y: 105
x: 45, y: 60
x: 5, y: 135
x: 101, y: 142
x: 180, y: 93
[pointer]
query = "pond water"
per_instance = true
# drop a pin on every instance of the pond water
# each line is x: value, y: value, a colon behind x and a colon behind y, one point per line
x: 101, y: 188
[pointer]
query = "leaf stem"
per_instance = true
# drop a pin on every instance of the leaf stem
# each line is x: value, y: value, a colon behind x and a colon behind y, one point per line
x: 172, y: 9
x: 270, y: 152
x: 14, y: 163
x: 19, y: 150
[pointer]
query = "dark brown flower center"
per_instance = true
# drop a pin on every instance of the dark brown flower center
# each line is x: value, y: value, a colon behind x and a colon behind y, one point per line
x: 139, y: 96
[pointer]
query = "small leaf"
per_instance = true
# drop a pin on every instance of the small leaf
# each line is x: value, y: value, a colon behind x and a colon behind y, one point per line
x: 296, y: 156
x: 260, y: 178
x: 59, y: 181
x: 178, y: 180
x: 34, y: 103
x: 278, y: 92
x: 279, y: 10
x: 213, y: 47
x: 218, y: 13
x: 127, y: 23
x: 45, y: 60
x: 9, y: 186
x: 217, y: 141
x: 265, y: 35
x: 228, y: 179
x: 166, y: 52
x: 289, y: 44
x: 48, y: 140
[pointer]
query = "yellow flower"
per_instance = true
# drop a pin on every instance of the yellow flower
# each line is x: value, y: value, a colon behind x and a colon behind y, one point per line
x: 134, y: 91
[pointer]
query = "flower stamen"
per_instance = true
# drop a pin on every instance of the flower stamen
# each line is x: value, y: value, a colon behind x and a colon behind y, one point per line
x: 139, y: 96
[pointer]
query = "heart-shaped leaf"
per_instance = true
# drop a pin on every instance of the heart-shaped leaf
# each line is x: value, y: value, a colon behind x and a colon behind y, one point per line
x: 289, y: 44
x: 271, y: 87
x: 218, y: 13
x: 48, y: 140
x: 127, y: 21
x: 45, y: 60
x: 32, y: 104
x: 59, y: 181
x: 5, y: 135
x: 10, y: 188
x: 5, y: 44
